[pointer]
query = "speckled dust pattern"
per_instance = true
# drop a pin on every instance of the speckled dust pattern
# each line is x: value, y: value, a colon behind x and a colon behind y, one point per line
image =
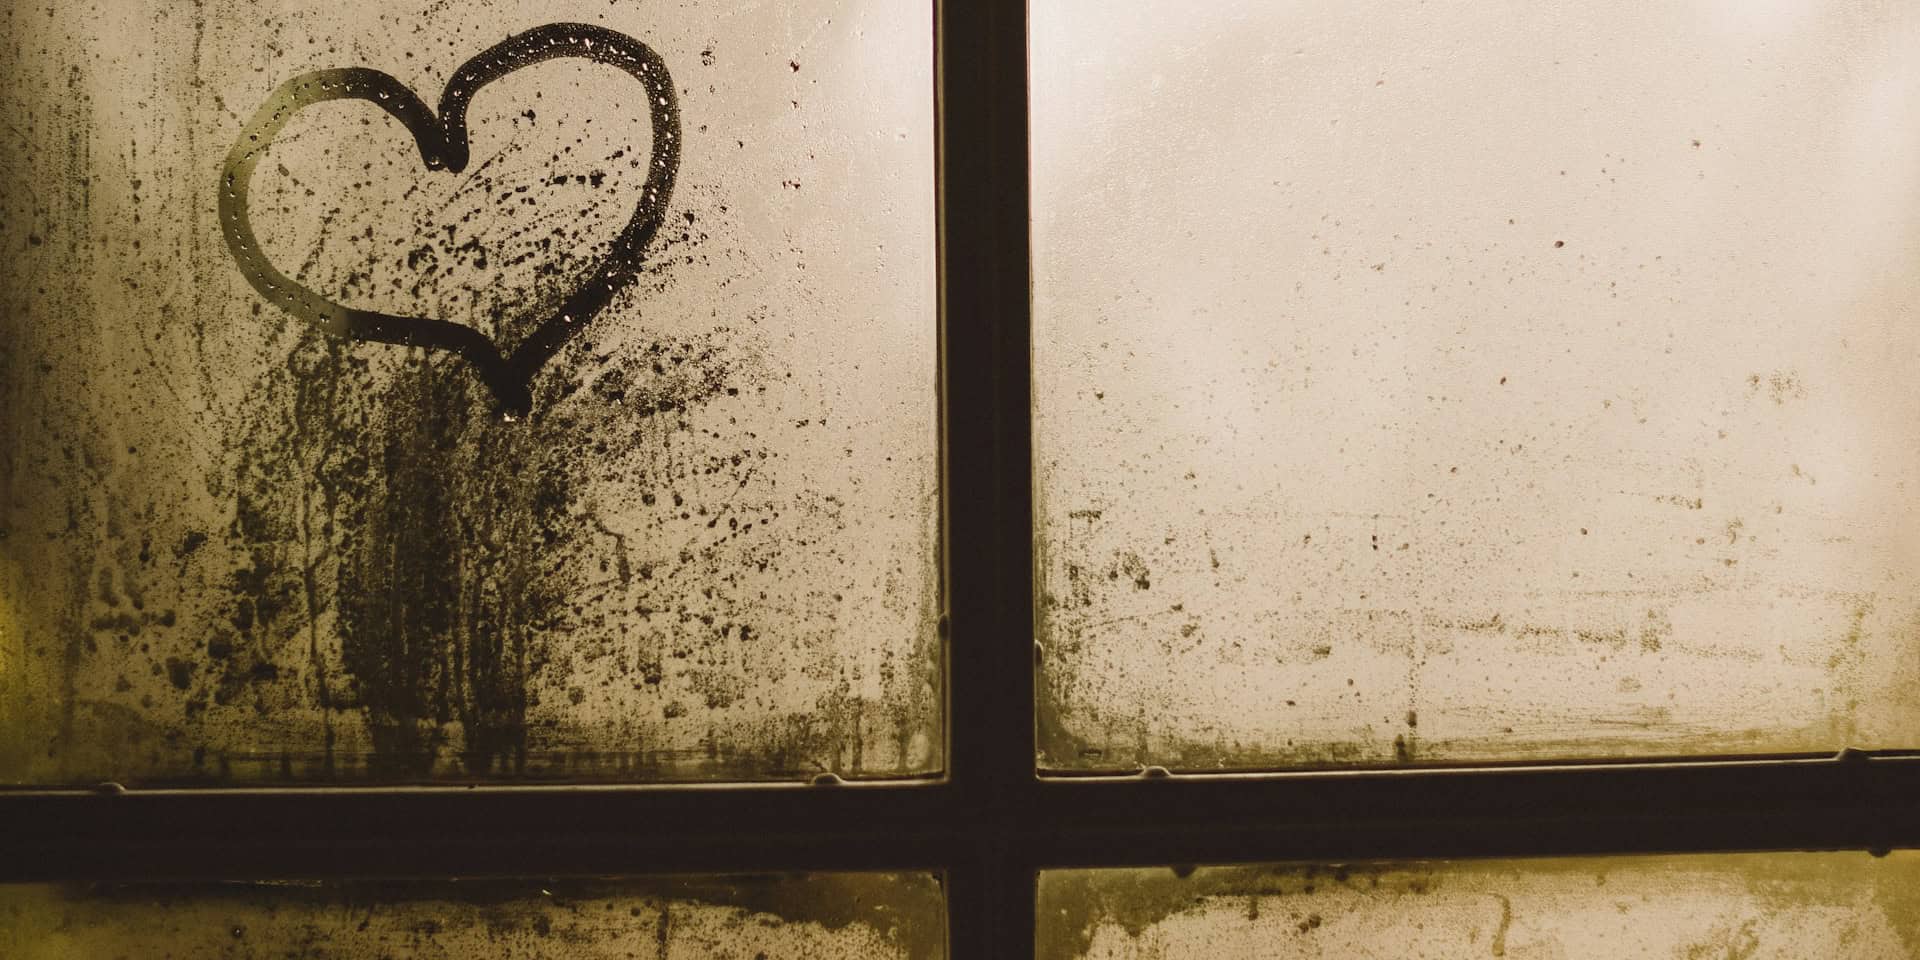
x: 828, y: 916
x: 237, y: 549
x: 1769, y: 906
x: 1505, y: 381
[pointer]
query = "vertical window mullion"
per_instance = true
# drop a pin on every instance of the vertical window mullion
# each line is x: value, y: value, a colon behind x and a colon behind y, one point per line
x: 985, y: 324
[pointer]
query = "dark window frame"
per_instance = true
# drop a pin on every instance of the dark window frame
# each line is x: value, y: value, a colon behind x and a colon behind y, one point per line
x: 990, y: 824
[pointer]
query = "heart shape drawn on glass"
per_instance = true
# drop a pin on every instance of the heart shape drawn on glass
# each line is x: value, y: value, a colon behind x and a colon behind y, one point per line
x: 443, y: 142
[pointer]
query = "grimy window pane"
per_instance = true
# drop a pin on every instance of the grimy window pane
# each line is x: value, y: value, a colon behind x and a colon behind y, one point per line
x: 1768, y: 906
x: 1483, y: 381
x: 417, y: 390
x: 829, y: 916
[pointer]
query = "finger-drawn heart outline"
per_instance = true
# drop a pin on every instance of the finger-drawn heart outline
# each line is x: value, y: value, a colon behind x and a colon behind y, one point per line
x: 443, y: 142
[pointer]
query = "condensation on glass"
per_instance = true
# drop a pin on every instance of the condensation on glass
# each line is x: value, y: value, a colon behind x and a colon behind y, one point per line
x: 1750, y: 906
x: 830, y: 916
x: 1471, y: 382
x: 650, y: 495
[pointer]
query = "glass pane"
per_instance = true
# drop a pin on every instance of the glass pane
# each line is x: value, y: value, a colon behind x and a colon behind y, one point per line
x: 831, y: 916
x: 588, y: 434
x: 1475, y: 382
x: 1746, y: 906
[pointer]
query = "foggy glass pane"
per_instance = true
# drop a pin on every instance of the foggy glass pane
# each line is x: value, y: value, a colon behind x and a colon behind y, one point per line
x: 1470, y: 382
x: 1768, y: 906
x: 829, y: 916
x: 420, y: 390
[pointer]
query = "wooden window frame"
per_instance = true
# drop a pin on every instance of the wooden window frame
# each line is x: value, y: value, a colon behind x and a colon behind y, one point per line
x: 990, y: 823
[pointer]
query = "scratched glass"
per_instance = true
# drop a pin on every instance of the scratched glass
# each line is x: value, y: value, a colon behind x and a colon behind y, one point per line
x: 830, y: 916
x: 1475, y: 382
x: 423, y: 391
x: 1752, y: 906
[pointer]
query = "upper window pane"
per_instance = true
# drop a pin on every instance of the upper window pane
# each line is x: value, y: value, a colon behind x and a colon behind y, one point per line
x: 1475, y: 382
x: 557, y: 401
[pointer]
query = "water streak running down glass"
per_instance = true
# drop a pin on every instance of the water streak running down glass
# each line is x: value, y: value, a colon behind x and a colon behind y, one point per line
x: 1475, y: 382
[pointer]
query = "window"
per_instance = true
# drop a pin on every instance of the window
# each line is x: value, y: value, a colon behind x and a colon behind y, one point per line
x: 945, y: 820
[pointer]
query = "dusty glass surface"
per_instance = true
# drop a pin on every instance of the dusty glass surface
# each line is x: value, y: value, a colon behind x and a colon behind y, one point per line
x: 830, y: 916
x: 1746, y: 906
x: 425, y: 390
x: 1469, y: 382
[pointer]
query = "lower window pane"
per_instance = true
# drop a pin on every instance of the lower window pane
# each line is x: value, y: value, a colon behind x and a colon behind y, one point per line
x: 828, y: 916
x: 1747, y: 906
